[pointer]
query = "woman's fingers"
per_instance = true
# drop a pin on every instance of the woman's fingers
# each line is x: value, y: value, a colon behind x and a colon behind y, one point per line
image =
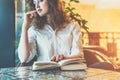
x: 31, y: 14
x: 57, y: 58
x: 61, y: 57
x: 53, y: 58
x: 28, y: 18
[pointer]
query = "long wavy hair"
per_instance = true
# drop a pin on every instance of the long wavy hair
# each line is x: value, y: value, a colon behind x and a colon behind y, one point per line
x: 57, y: 15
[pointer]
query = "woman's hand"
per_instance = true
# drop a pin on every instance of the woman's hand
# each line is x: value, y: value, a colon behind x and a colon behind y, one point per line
x: 57, y: 58
x: 28, y: 18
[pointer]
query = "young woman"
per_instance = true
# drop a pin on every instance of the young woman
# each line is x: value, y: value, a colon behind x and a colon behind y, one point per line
x: 49, y: 34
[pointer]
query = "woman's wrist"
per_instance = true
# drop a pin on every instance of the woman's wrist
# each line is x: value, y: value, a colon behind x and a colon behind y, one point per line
x: 25, y: 26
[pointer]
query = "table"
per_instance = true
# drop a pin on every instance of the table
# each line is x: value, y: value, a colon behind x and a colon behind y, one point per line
x: 26, y: 73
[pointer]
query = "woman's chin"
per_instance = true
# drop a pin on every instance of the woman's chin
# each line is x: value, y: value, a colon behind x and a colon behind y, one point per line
x: 42, y: 14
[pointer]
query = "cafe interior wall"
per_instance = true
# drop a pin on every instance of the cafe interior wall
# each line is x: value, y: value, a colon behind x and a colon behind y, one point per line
x: 102, y: 16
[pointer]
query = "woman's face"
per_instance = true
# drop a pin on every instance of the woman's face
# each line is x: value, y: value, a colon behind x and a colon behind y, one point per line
x: 41, y: 7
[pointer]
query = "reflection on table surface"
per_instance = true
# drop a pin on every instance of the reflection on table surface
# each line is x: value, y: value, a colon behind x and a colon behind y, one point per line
x: 25, y: 73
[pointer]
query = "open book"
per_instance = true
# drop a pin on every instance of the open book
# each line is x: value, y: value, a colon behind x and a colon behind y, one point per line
x: 67, y: 64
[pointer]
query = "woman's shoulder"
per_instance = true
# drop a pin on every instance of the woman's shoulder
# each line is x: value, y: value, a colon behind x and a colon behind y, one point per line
x: 72, y: 25
x: 32, y: 30
x: 36, y: 30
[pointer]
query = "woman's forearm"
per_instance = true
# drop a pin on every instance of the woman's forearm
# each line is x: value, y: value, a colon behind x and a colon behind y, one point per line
x: 23, y: 48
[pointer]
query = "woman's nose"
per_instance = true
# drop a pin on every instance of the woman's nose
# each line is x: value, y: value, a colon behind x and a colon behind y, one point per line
x: 37, y: 5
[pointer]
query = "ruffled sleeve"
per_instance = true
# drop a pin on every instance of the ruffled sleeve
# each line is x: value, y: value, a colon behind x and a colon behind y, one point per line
x: 77, y: 48
x: 32, y: 43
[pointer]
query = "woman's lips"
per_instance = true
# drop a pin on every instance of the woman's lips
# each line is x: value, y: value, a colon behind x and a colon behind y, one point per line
x: 39, y: 10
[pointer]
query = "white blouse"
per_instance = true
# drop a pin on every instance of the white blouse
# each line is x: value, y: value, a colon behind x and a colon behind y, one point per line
x: 47, y: 42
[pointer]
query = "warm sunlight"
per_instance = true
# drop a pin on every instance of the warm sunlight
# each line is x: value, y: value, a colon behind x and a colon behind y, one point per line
x: 103, y: 3
x: 108, y: 4
x: 100, y: 14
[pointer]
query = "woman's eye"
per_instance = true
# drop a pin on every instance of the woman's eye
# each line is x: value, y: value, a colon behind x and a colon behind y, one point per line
x: 36, y: 1
x: 40, y: 0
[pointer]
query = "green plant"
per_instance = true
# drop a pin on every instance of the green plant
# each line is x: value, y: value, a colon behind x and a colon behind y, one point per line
x: 75, y: 16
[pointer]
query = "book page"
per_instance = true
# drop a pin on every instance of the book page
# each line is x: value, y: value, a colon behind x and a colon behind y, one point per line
x: 70, y: 61
x: 76, y: 66
x: 39, y: 65
x: 45, y: 63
